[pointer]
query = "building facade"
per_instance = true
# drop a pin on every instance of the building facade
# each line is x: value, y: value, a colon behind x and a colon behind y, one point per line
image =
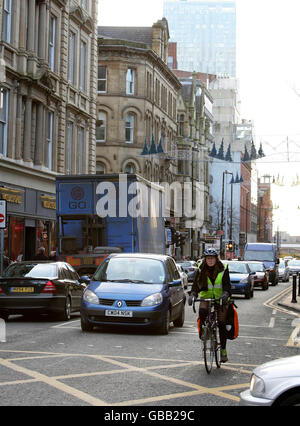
x: 49, y: 60
x: 205, y: 33
x: 137, y: 101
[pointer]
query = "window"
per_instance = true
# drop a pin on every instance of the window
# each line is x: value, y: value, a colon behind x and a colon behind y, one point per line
x: 102, y: 76
x: 84, y: 4
x: 49, y: 141
x: 69, y: 148
x: 181, y: 125
x: 129, y: 128
x: 7, y: 21
x: 52, y: 35
x: 3, y: 121
x: 130, y: 81
x: 80, y: 149
x: 100, y: 168
x: 82, y: 65
x: 101, y: 127
x: 130, y: 168
x: 71, y: 57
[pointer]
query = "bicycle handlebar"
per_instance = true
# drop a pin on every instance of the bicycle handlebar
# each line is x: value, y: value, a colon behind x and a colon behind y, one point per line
x: 206, y: 300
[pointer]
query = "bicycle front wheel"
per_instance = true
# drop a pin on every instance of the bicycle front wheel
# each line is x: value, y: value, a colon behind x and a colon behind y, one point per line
x: 208, y: 348
x: 217, y: 347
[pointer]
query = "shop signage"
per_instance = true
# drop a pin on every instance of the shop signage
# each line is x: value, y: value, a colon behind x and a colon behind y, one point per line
x: 48, y: 202
x: 11, y: 195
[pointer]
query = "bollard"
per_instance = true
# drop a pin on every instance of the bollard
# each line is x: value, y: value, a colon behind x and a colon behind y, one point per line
x: 294, y: 300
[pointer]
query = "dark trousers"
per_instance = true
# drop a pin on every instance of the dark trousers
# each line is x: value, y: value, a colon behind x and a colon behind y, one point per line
x: 221, y: 315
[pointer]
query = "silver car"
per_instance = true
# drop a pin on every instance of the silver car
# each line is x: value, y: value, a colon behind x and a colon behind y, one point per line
x: 283, y: 271
x: 275, y: 383
x: 183, y: 275
x: 294, y: 266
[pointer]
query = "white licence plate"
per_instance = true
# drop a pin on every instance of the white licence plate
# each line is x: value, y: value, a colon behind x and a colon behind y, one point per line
x: 116, y: 313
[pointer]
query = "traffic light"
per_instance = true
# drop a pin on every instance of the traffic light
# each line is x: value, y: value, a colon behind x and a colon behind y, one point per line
x: 180, y: 238
x: 230, y: 246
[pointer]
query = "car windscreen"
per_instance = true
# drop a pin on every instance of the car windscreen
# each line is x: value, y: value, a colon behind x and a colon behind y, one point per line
x: 126, y: 269
x: 256, y: 267
x: 261, y: 255
x: 31, y: 270
x: 237, y: 268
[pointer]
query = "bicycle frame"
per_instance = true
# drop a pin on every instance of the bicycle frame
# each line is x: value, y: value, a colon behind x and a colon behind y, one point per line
x: 211, y: 344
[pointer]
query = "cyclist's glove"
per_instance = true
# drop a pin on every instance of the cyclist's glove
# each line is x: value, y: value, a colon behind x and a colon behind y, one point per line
x: 224, y: 297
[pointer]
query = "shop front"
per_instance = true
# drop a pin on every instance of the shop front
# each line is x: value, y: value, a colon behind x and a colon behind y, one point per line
x: 31, y: 218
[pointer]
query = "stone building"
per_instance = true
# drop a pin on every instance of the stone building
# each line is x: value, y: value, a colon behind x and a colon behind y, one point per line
x: 194, y: 116
x: 48, y: 104
x: 136, y: 107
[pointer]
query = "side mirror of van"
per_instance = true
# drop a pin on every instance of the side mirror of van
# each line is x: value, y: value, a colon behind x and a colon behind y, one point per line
x: 277, y: 261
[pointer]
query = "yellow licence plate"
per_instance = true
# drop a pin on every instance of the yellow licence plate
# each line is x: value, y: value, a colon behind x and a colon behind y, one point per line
x: 22, y: 290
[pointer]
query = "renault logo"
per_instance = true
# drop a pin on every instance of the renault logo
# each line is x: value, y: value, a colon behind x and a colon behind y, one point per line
x: 119, y: 303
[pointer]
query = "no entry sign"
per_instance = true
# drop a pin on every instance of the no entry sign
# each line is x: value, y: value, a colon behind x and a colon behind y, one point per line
x: 2, y: 214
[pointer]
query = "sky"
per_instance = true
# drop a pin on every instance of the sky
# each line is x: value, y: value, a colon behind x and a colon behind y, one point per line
x: 268, y: 69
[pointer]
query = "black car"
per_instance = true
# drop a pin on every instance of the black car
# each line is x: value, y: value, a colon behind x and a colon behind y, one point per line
x: 42, y: 287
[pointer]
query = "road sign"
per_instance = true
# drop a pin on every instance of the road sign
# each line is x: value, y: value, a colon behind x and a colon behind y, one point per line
x: 2, y: 214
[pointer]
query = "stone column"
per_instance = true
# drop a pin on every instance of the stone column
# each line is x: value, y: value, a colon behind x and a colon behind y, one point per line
x: 39, y: 142
x: 28, y: 129
x: 42, y: 30
x: 18, y: 147
x: 31, y: 26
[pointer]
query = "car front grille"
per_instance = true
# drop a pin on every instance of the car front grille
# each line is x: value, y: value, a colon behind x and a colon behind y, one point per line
x: 129, y: 303
x: 127, y: 320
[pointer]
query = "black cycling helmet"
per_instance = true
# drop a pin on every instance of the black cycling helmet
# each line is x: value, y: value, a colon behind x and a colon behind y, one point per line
x: 210, y: 252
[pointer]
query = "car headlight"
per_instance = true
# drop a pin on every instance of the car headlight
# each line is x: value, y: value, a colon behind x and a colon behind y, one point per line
x: 257, y: 386
x: 90, y: 297
x: 152, y: 300
x: 244, y: 281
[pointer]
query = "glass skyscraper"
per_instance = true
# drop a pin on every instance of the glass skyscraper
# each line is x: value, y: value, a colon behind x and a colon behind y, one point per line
x: 205, y: 33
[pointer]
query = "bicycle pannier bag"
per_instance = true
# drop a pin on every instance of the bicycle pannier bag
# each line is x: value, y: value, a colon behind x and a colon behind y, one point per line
x: 232, y: 322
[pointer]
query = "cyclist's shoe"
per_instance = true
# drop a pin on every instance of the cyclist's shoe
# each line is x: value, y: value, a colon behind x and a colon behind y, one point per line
x: 224, y: 357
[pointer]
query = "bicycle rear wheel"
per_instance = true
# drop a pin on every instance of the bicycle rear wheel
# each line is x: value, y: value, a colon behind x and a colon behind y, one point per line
x: 208, y: 348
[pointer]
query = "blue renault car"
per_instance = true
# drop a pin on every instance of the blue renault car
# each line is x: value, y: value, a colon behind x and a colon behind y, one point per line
x: 241, y: 278
x: 134, y: 289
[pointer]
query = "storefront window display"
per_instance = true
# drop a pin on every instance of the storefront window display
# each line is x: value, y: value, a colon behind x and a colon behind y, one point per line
x: 16, y: 237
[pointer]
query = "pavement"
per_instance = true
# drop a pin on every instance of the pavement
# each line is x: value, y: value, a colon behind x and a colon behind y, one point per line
x: 287, y: 303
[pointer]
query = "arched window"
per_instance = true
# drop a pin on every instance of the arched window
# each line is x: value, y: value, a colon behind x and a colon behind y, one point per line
x: 101, y: 127
x: 100, y: 168
x: 129, y: 127
x: 130, y: 168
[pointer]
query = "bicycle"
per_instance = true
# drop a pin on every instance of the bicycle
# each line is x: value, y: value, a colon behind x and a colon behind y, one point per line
x: 209, y: 335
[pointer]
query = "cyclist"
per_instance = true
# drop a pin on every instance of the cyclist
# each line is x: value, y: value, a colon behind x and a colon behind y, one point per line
x: 213, y: 281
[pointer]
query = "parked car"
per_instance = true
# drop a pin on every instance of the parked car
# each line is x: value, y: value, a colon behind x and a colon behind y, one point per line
x: 283, y: 271
x: 43, y: 287
x: 190, y: 267
x: 241, y: 278
x: 294, y: 266
x: 261, y: 276
x: 275, y: 383
x: 183, y: 275
x: 134, y: 289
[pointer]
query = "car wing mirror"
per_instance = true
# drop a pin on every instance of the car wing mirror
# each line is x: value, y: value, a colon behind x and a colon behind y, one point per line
x: 85, y: 279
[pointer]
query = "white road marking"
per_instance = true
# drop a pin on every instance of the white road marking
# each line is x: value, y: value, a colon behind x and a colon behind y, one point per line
x: 272, y: 322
